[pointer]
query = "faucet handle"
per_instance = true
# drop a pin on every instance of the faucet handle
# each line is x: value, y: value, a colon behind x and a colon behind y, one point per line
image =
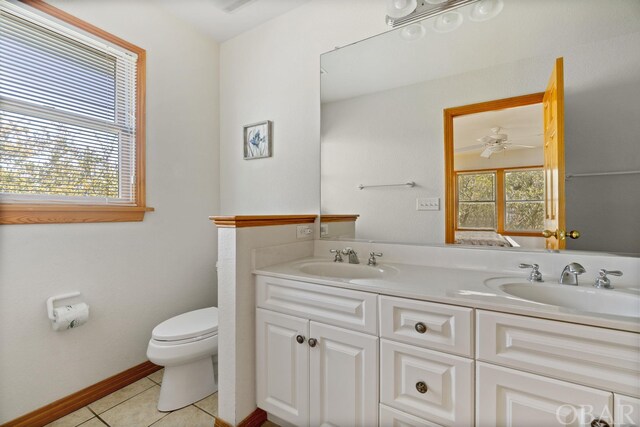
x: 372, y: 258
x: 338, y: 255
x: 602, y: 281
x: 535, y: 275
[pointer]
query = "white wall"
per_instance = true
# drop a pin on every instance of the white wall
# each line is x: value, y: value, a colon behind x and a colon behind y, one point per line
x: 272, y: 73
x: 133, y: 275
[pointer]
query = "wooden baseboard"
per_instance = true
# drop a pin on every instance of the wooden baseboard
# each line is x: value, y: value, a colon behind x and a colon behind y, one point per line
x: 75, y: 401
x: 255, y: 419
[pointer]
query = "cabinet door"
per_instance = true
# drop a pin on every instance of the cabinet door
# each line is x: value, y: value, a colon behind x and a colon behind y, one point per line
x: 509, y: 398
x: 626, y: 411
x: 343, y: 377
x: 282, y: 366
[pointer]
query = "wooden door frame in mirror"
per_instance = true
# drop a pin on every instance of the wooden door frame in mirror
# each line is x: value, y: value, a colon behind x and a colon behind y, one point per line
x: 449, y: 115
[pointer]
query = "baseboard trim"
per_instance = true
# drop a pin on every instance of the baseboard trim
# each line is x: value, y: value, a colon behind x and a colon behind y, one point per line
x: 254, y: 419
x: 75, y: 401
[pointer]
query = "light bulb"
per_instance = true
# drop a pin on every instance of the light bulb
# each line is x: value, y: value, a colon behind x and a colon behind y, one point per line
x: 447, y: 22
x: 413, y: 32
x: 400, y: 8
x: 485, y: 10
x: 400, y: 4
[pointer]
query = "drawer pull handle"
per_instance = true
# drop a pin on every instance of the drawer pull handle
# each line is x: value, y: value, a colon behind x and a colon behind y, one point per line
x: 421, y: 386
x: 421, y: 328
x: 300, y: 339
x: 599, y: 423
x: 312, y: 342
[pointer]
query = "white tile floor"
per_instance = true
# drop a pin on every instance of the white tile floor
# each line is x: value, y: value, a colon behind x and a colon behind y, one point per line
x: 135, y: 406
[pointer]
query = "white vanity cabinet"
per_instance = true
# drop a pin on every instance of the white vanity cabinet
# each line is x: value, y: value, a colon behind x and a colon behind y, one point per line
x: 390, y: 361
x: 309, y: 372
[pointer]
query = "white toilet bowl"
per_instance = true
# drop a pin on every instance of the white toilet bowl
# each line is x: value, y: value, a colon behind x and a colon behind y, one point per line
x: 186, y: 345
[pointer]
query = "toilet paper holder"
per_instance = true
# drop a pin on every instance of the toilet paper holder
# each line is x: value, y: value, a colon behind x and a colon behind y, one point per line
x: 51, y: 300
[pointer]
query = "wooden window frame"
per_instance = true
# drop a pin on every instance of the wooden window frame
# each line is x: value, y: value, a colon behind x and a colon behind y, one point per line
x: 501, y: 200
x: 54, y: 213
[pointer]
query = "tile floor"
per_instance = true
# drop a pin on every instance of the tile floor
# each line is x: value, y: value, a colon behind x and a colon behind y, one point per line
x: 135, y: 406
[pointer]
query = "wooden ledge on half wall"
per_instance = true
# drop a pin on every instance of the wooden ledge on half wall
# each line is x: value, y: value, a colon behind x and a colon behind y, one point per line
x: 238, y: 221
x: 339, y: 218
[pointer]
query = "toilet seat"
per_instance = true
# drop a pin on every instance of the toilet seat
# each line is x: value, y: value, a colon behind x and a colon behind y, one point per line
x: 188, y: 327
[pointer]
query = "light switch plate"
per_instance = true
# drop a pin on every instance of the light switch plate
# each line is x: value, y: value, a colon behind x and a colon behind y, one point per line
x: 428, y: 204
x: 303, y: 231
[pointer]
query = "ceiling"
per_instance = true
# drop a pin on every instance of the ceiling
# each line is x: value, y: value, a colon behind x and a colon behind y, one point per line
x: 208, y: 16
x: 522, y: 124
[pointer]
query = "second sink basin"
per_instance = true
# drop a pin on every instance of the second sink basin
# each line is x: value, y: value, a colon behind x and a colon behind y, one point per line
x: 345, y: 270
x: 579, y: 298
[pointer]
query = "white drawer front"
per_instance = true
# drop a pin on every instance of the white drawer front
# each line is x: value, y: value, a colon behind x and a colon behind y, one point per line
x: 626, y: 411
x: 448, y: 328
x: 390, y: 417
x: 335, y: 306
x: 598, y: 357
x: 448, y: 399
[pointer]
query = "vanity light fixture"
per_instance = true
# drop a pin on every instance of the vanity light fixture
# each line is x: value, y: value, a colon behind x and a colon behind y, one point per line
x: 485, y: 10
x: 413, y: 32
x: 403, y: 12
x: 447, y: 22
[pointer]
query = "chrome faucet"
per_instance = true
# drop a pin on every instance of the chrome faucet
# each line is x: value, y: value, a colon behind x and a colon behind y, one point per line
x: 570, y: 274
x: 372, y: 258
x: 603, y: 281
x: 353, y: 255
x: 338, y: 255
x: 535, y: 275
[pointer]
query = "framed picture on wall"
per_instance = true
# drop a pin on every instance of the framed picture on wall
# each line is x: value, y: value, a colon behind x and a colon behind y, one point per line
x: 257, y: 140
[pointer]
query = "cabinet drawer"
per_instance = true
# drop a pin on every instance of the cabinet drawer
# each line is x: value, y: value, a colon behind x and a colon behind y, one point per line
x: 335, y: 306
x: 598, y: 357
x: 448, y: 396
x: 390, y: 417
x: 448, y: 328
x: 510, y: 398
x: 626, y: 411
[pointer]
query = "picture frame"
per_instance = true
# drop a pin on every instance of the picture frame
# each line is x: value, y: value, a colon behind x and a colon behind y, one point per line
x: 258, y: 140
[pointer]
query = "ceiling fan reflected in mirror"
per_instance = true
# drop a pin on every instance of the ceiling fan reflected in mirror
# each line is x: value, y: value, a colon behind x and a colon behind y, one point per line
x: 493, y: 143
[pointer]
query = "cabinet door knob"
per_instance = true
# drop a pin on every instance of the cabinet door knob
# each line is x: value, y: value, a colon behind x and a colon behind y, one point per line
x: 421, y: 328
x: 599, y: 423
x: 300, y: 339
x: 312, y: 342
x: 421, y: 386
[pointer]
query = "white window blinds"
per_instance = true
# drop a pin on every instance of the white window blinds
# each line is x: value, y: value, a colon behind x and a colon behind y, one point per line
x: 67, y: 114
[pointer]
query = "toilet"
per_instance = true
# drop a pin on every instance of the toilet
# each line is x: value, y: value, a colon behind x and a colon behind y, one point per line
x: 187, y: 346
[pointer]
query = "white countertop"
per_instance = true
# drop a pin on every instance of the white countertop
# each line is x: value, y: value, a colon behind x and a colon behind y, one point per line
x: 455, y: 286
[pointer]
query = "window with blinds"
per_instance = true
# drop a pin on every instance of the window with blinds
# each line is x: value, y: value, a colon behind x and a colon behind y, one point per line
x: 67, y: 114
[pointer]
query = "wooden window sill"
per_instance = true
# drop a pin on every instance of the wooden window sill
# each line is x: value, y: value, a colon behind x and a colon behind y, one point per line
x: 61, y: 214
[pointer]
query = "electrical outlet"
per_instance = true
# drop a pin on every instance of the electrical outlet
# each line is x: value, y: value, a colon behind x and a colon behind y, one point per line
x: 428, y: 204
x: 303, y: 231
x: 324, y: 229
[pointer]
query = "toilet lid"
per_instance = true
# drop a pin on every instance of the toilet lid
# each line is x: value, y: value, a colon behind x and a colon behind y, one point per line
x: 188, y: 325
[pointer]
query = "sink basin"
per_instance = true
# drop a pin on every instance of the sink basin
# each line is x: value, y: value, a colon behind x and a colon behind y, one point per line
x: 345, y: 270
x: 579, y: 298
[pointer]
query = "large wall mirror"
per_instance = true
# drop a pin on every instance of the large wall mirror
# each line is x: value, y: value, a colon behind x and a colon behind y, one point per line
x: 512, y: 127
